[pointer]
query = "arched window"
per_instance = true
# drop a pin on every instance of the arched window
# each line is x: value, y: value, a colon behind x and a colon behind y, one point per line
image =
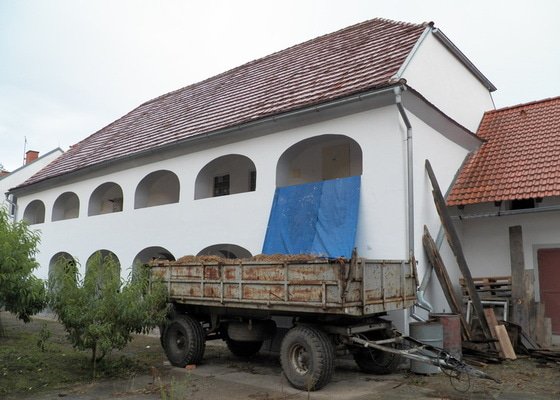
x: 150, y: 253
x: 158, y: 188
x: 66, y: 206
x: 102, y: 255
x: 60, y: 259
x: 34, y: 212
x: 226, y: 175
x: 319, y: 158
x: 225, y: 251
x: 106, y: 198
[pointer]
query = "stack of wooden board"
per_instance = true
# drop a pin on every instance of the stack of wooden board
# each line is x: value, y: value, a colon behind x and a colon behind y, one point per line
x: 489, y: 287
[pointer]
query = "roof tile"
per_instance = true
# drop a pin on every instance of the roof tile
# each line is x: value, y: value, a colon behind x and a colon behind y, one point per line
x: 355, y: 59
x: 520, y: 158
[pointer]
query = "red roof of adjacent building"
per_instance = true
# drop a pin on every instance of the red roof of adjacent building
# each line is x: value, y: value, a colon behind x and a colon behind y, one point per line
x: 356, y: 59
x: 520, y: 159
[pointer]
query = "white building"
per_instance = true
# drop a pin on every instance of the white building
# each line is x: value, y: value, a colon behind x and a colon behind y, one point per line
x: 194, y: 171
x: 514, y: 181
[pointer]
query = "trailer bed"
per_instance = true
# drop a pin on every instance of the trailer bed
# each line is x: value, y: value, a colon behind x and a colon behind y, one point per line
x: 357, y: 287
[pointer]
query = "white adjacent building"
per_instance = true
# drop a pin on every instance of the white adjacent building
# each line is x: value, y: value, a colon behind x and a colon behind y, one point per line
x: 33, y: 164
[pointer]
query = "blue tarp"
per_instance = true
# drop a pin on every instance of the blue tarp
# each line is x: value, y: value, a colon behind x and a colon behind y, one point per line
x: 314, y: 218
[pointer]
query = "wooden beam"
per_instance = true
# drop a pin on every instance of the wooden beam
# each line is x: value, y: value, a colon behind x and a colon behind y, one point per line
x: 521, y: 286
x: 436, y: 261
x: 517, y: 262
x: 455, y: 245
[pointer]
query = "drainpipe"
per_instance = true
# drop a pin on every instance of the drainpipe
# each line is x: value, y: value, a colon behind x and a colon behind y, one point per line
x: 410, y: 203
x: 409, y: 172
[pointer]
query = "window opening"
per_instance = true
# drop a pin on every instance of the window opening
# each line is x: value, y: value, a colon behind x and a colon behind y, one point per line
x: 221, y: 185
x: 520, y: 204
x: 252, y: 181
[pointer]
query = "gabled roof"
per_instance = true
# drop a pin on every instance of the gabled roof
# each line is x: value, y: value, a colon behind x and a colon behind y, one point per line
x: 520, y: 159
x: 356, y: 59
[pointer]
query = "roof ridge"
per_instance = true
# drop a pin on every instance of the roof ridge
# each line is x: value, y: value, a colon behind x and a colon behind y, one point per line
x: 287, y: 49
x: 545, y: 100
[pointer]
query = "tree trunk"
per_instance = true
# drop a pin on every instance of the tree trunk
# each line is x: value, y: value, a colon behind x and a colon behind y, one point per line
x: 94, y: 358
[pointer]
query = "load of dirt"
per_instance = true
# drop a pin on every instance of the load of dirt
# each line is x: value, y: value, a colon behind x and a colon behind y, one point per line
x: 272, y: 258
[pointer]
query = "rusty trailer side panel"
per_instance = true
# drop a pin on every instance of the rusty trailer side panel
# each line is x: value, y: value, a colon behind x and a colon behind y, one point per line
x: 358, y: 288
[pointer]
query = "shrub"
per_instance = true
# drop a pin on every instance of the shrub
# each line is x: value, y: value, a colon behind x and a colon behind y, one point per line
x: 100, y: 312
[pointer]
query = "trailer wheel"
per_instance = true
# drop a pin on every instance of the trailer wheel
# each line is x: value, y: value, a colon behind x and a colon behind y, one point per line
x: 184, y: 341
x: 243, y: 349
x: 377, y: 362
x: 373, y: 361
x: 307, y: 357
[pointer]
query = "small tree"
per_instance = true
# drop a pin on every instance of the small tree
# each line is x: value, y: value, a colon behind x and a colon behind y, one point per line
x: 101, y: 312
x: 21, y: 293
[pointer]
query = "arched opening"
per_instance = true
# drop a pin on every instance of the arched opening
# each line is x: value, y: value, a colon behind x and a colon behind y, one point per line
x: 103, y: 266
x: 225, y: 251
x: 319, y: 158
x: 103, y: 255
x: 157, y: 188
x: 151, y: 253
x: 66, y: 206
x: 59, y: 260
x: 226, y: 175
x: 106, y: 198
x: 34, y: 212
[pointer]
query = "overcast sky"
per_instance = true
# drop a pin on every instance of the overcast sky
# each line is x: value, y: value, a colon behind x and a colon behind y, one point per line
x: 70, y: 67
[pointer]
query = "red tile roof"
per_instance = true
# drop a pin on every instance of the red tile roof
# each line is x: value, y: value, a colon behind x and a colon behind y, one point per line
x: 520, y: 159
x: 359, y: 58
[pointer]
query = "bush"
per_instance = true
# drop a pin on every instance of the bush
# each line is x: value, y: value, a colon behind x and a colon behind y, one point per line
x: 100, y: 312
x: 21, y: 293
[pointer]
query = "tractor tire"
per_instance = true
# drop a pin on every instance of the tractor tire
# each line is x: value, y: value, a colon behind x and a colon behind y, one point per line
x: 374, y: 361
x: 184, y: 341
x: 307, y: 356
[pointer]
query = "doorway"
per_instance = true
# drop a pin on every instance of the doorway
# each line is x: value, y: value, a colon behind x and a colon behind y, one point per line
x: 549, y: 283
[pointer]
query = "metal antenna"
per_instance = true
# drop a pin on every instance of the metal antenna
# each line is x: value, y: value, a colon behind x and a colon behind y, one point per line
x: 24, y: 148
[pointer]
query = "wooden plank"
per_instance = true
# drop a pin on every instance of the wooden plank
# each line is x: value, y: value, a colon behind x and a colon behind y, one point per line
x: 492, y: 323
x: 543, y: 333
x: 528, y: 341
x: 505, y: 343
x: 455, y: 245
x: 547, y: 338
x: 441, y: 272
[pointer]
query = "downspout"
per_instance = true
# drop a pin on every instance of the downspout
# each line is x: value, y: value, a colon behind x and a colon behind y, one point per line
x: 410, y: 203
x: 409, y: 173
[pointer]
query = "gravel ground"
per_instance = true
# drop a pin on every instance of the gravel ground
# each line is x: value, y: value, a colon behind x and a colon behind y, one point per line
x: 222, y: 376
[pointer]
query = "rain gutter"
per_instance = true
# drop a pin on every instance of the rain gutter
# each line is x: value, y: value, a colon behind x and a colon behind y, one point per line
x: 507, y: 213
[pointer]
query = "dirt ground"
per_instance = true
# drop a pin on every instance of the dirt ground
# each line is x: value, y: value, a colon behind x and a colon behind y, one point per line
x: 222, y: 376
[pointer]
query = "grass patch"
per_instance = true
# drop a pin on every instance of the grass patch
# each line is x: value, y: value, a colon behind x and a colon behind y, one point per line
x: 32, y: 361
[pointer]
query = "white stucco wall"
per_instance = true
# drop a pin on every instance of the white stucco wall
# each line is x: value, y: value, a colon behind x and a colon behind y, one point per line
x: 486, y: 241
x: 444, y: 81
x: 190, y: 225
x: 445, y: 157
